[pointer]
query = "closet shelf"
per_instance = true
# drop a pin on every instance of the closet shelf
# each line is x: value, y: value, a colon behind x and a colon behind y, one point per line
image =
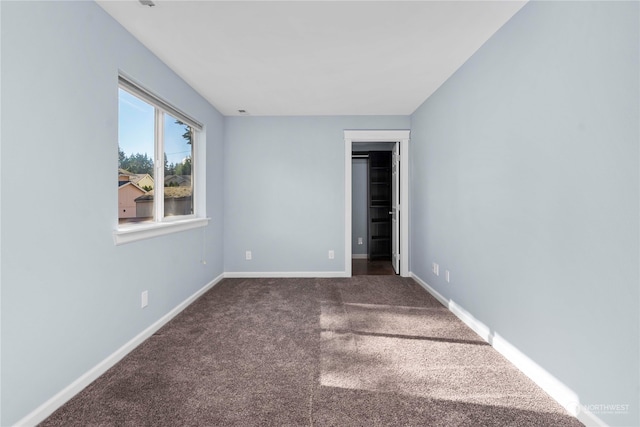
x: 379, y: 205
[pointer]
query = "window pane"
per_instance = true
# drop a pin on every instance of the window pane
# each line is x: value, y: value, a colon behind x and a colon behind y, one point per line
x: 135, y: 158
x: 178, y: 158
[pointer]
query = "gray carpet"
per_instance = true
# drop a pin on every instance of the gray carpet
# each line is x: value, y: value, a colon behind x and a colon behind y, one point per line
x: 369, y: 350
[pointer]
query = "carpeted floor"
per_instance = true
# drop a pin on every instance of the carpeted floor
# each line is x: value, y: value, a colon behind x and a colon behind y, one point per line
x: 369, y: 350
x: 365, y: 267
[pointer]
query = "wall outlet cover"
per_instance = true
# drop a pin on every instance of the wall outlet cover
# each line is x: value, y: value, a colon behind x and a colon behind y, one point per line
x: 144, y: 299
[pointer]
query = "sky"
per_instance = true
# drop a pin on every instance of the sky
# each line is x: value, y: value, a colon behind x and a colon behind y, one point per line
x: 136, y: 127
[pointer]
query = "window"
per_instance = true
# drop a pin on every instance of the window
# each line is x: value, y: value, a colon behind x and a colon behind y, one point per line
x: 157, y: 166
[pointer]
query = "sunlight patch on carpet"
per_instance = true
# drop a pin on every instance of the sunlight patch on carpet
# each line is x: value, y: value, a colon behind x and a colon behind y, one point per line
x: 422, y: 352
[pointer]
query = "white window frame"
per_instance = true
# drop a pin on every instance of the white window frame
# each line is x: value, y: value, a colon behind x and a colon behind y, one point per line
x: 161, y: 225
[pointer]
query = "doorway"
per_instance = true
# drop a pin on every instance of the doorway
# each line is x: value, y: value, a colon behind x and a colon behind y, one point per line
x: 399, y: 140
x: 373, y: 234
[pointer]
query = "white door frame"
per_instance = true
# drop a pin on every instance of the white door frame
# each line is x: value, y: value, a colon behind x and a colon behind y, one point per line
x: 402, y: 137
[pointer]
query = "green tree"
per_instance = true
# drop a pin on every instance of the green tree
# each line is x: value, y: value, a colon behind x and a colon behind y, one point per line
x: 184, y: 168
x: 169, y: 168
x: 135, y: 163
x: 140, y: 163
x: 188, y: 133
x: 122, y: 158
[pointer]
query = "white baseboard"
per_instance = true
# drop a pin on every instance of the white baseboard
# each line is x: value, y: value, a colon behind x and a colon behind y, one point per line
x: 283, y: 274
x: 47, y: 408
x: 589, y: 419
x: 562, y: 394
x: 359, y: 256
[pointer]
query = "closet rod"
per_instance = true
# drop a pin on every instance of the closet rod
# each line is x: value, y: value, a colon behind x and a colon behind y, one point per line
x: 360, y: 156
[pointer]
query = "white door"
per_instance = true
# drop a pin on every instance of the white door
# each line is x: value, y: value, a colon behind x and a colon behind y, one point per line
x: 395, y: 208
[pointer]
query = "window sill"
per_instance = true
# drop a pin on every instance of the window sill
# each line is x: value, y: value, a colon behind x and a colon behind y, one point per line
x: 133, y: 233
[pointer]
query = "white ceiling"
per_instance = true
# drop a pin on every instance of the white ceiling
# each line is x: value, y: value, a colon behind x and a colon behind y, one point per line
x: 313, y: 57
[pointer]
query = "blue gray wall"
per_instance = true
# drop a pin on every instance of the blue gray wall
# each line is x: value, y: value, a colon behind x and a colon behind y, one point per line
x: 359, y: 206
x: 524, y: 184
x: 284, y: 191
x: 70, y: 298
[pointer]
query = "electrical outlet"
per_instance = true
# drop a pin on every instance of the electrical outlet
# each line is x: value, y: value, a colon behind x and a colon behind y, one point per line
x: 436, y: 269
x: 447, y: 276
x: 332, y: 254
x: 360, y: 242
x: 144, y: 299
x: 247, y: 255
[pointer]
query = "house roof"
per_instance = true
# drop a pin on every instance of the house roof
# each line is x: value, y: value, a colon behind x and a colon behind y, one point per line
x: 169, y: 193
x: 133, y: 177
x: 178, y: 179
x: 132, y: 184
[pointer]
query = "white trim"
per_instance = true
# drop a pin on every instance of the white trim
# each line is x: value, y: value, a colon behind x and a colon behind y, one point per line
x: 158, y: 165
x: 589, y: 419
x: 199, y: 172
x: 404, y: 208
x: 557, y: 390
x: 47, y: 408
x: 401, y: 136
x: 359, y: 256
x: 140, y: 231
x: 284, y: 274
x: 376, y: 135
x: 348, y: 201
